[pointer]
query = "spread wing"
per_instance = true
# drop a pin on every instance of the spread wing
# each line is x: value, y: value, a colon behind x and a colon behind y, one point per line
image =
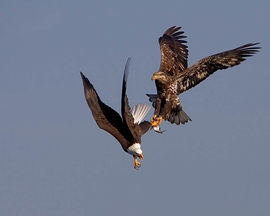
x: 174, y: 52
x: 132, y: 118
x: 106, y: 118
x: 207, y: 66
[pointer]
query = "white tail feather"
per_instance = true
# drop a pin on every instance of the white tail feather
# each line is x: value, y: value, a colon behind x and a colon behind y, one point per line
x: 139, y: 111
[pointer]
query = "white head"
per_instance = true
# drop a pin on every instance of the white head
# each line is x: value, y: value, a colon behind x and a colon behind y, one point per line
x: 135, y: 149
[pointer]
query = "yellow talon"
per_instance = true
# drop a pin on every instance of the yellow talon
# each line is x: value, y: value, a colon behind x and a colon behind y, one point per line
x: 153, y: 118
x: 136, y: 163
x: 141, y: 157
x: 156, y: 121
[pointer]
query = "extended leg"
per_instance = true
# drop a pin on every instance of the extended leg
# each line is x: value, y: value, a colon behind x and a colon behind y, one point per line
x: 136, y: 163
x: 156, y: 120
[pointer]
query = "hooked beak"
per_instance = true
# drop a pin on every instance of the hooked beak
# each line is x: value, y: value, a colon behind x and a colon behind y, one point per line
x: 157, y: 75
x: 154, y: 77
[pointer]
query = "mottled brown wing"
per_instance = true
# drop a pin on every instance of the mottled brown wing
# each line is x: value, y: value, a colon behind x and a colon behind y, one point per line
x: 207, y: 66
x: 125, y: 108
x: 174, y: 52
x: 105, y: 117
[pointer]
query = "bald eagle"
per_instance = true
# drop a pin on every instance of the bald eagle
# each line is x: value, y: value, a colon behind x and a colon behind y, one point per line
x: 127, y: 129
x: 174, y: 76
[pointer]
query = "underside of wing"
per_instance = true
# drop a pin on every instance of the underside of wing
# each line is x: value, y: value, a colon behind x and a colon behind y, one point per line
x: 125, y: 109
x: 105, y: 117
x: 207, y: 66
x: 133, y: 117
x: 174, y: 52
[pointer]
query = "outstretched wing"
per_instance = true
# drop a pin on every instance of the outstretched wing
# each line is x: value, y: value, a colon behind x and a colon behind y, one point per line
x: 128, y: 119
x: 207, y: 66
x: 174, y: 52
x: 106, y: 118
x: 132, y: 118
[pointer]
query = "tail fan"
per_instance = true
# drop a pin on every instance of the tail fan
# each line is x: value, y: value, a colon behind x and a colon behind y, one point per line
x: 178, y: 116
x: 139, y: 111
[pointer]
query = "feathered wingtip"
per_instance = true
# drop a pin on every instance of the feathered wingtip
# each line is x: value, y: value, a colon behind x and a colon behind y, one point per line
x: 86, y: 82
x: 176, y: 34
x: 249, y: 49
x: 139, y: 111
x: 126, y: 69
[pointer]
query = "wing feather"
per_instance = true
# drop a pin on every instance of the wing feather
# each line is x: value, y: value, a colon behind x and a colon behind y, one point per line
x: 133, y: 117
x: 174, y: 52
x: 125, y: 108
x: 207, y: 66
x: 105, y: 117
x: 139, y: 111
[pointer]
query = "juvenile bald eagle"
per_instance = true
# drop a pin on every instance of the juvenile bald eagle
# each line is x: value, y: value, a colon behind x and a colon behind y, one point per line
x: 174, y: 77
x: 127, y: 129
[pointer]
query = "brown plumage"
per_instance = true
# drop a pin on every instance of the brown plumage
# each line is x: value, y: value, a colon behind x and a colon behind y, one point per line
x: 174, y: 77
x: 127, y: 129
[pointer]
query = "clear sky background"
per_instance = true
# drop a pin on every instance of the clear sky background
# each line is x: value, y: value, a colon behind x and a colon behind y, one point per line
x: 55, y: 161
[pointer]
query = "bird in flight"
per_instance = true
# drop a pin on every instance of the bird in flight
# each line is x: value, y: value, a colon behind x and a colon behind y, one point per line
x: 174, y: 76
x: 127, y: 129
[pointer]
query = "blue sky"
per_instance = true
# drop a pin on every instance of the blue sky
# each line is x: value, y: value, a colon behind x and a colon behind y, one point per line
x: 54, y: 160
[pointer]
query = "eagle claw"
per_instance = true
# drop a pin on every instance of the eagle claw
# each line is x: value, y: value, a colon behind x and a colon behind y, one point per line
x: 155, y: 122
x: 141, y: 157
x: 137, y: 164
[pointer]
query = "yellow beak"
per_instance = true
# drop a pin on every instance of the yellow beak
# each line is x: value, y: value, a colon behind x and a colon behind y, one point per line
x: 154, y: 77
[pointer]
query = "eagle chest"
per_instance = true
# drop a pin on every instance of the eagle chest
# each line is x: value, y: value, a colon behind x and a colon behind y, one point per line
x: 171, y: 91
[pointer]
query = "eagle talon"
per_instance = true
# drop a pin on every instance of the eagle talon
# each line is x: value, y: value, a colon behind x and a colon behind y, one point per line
x: 156, y: 121
x: 137, y: 164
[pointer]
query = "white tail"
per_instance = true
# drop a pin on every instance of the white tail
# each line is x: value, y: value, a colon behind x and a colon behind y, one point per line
x: 139, y: 111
